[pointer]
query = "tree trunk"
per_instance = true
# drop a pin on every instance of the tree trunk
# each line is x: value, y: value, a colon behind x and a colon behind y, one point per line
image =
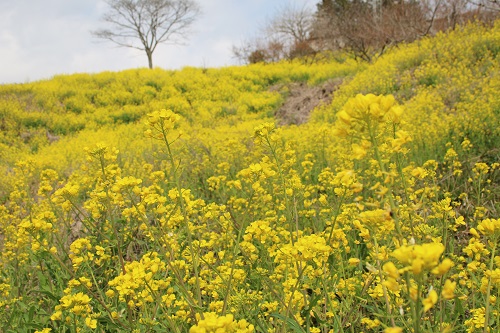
x: 150, y: 58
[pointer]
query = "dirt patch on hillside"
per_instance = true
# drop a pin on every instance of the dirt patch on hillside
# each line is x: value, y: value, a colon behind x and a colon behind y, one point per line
x: 301, y: 99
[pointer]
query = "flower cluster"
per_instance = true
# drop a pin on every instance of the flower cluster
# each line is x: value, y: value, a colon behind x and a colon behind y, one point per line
x: 138, y: 285
x: 213, y: 323
x: 78, y: 305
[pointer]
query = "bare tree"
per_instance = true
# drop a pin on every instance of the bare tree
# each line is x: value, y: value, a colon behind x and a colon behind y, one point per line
x: 368, y: 28
x: 292, y: 24
x: 144, y: 24
x: 284, y: 36
x: 260, y: 49
x: 493, y: 5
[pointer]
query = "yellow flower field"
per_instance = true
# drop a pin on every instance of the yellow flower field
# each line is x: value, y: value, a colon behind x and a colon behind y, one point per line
x: 170, y: 201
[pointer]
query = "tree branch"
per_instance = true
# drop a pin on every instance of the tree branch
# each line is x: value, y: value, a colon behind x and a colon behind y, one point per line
x: 147, y: 23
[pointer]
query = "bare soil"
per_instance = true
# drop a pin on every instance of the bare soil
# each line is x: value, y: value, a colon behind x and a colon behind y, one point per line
x: 301, y: 99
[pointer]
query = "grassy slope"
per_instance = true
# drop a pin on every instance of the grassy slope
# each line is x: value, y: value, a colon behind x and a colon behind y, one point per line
x: 82, y: 109
x: 449, y: 85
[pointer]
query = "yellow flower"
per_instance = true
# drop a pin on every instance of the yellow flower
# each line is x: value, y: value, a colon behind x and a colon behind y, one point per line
x: 375, y: 218
x: 45, y: 330
x: 392, y: 284
x: 312, y: 247
x: 161, y: 122
x: 419, y: 257
x: 494, y: 275
x: 393, y: 330
x: 368, y: 108
x: 430, y: 300
x: 264, y: 132
x: 402, y: 137
x: 56, y: 315
x: 443, y: 267
x: 391, y: 270
x: 344, y: 117
x: 419, y: 172
x: 477, y: 319
x: 489, y: 227
x: 91, y: 323
x: 448, y: 291
x: 213, y: 323
x: 394, y: 114
x: 353, y: 261
x: 370, y: 323
x: 417, y: 265
x: 358, y: 152
x: 480, y: 168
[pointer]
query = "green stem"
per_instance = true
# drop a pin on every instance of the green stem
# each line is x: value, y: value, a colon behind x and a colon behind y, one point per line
x: 405, y: 187
x: 103, y: 304
x: 488, y: 291
x: 230, y: 280
x: 194, y: 258
x: 384, y: 288
x: 417, y: 308
x: 292, y: 291
x: 337, y: 212
x: 283, y: 183
x: 376, y: 152
x: 110, y: 215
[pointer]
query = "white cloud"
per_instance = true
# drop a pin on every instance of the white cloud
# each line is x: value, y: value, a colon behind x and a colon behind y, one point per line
x: 39, y: 39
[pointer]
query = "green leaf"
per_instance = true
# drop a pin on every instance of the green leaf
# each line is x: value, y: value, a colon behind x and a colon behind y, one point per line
x: 42, y: 278
x: 48, y: 294
x: 289, y: 322
x: 459, y: 310
x: 31, y: 313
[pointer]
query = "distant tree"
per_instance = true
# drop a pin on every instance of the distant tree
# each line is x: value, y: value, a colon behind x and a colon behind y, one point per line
x: 144, y: 24
x: 284, y: 36
x: 493, y: 5
x: 367, y: 28
x: 452, y: 13
x: 292, y: 24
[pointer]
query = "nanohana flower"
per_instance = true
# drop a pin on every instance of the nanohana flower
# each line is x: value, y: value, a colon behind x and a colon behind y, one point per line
x: 368, y: 109
x: 90, y: 323
x: 353, y: 261
x: 45, y: 330
x: 161, y: 122
x: 430, y: 300
x: 264, y: 132
x: 419, y: 257
x: 489, y: 227
x: 391, y: 270
x: 443, y: 267
x: 448, y: 291
x: 476, y: 319
x: 213, y: 323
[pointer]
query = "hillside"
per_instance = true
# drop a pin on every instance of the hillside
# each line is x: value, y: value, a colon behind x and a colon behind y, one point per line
x: 190, y: 200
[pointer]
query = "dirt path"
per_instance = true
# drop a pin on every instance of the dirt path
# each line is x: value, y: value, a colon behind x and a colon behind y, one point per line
x: 302, y: 99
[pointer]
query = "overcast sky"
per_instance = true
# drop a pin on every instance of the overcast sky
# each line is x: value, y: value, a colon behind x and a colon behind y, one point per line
x: 43, y: 38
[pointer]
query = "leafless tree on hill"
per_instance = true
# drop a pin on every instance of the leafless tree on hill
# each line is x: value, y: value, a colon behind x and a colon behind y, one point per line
x: 144, y: 24
x: 284, y: 36
x: 453, y: 13
x: 367, y: 28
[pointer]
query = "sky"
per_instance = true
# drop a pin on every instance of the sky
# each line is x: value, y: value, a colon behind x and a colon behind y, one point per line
x: 43, y: 38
